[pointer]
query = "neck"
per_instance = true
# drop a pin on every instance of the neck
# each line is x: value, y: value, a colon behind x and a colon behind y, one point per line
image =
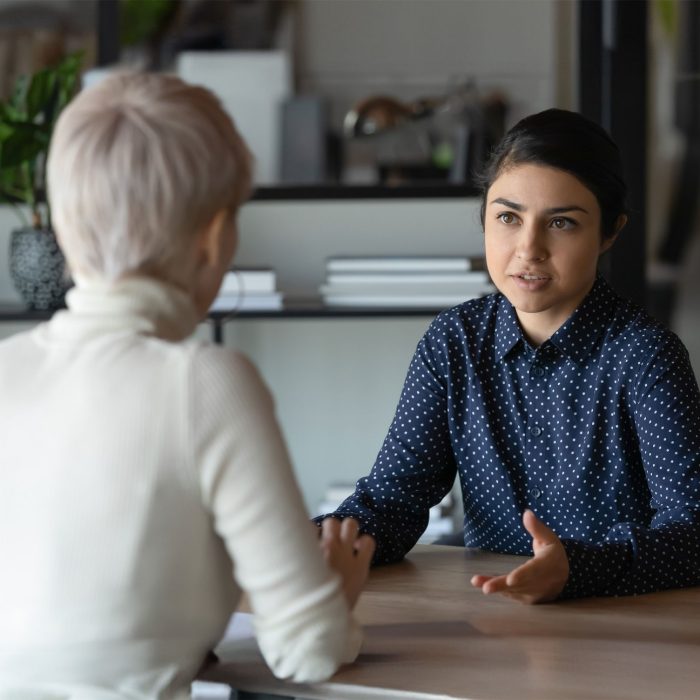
x: 143, y: 304
x: 539, y: 326
x: 536, y: 330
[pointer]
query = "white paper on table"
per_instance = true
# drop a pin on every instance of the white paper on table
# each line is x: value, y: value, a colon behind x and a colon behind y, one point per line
x: 240, y: 626
x: 240, y: 629
x: 238, y: 640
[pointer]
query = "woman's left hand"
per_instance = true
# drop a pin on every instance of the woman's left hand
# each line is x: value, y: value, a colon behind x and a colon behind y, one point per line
x: 539, y: 579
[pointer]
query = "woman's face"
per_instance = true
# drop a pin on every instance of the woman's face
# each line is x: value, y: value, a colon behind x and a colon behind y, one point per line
x: 543, y: 238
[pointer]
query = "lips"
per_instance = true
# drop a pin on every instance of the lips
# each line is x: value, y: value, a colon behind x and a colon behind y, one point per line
x: 531, y: 281
x: 531, y: 276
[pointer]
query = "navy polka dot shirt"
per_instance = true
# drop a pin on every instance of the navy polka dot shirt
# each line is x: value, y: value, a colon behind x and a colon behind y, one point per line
x: 597, y: 431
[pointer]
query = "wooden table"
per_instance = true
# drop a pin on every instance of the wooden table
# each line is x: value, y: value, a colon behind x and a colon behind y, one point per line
x: 430, y: 635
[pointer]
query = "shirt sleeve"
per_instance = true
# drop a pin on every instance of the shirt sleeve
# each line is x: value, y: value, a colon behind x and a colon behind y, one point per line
x: 303, y: 625
x: 415, y: 467
x: 634, y: 559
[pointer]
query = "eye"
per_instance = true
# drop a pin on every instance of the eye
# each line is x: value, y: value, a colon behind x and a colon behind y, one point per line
x: 506, y: 217
x: 562, y: 223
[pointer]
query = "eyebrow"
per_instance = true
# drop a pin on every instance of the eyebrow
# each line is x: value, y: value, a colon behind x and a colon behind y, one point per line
x: 552, y: 210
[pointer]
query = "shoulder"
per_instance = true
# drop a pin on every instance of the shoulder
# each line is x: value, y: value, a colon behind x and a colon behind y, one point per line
x: 643, y: 348
x: 468, y: 316
x: 218, y: 358
x: 471, y: 325
x: 218, y: 371
x: 635, y: 332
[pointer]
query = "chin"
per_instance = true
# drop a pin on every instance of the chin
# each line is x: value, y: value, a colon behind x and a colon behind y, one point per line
x: 530, y: 308
x: 527, y: 304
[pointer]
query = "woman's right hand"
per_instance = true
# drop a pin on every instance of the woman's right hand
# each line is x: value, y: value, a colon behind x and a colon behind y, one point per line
x: 347, y: 554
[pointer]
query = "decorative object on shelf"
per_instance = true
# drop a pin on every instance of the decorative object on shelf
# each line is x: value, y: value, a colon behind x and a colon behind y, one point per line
x: 27, y: 120
x: 37, y: 268
x: 440, y: 139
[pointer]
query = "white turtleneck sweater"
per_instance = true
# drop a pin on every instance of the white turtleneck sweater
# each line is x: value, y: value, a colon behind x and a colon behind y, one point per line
x: 143, y: 484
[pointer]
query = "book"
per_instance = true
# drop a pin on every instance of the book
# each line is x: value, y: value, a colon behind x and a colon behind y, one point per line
x: 362, y: 278
x: 247, y: 302
x: 406, y: 289
x: 406, y: 263
x: 423, y: 301
x: 249, y: 280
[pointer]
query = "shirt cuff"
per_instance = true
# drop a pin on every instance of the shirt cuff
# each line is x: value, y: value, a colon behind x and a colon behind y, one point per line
x: 595, y: 569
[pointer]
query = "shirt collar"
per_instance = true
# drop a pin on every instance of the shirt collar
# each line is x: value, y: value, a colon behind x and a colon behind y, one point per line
x: 575, y: 338
x: 579, y: 334
x: 508, y: 331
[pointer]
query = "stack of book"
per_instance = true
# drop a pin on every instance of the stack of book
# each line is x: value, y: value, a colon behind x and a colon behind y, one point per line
x: 429, y: 282
x: 442, y: 516
x: 248, y: 289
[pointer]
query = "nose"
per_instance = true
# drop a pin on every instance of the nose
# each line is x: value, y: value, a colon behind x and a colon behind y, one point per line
x: 531, y: 245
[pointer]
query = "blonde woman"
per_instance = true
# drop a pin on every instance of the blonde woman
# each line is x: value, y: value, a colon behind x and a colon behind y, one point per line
x: 145, y: 482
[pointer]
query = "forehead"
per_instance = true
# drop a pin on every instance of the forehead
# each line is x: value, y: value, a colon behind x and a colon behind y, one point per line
x: 540, y: 186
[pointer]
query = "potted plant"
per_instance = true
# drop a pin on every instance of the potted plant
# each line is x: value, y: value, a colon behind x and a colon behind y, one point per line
x: 27, y: 120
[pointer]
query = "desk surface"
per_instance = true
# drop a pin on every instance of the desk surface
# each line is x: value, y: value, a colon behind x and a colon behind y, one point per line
x: 430, y: 635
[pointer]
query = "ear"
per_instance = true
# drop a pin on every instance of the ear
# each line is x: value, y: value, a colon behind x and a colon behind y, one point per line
x: 607, y: 243
x: 210, y: 245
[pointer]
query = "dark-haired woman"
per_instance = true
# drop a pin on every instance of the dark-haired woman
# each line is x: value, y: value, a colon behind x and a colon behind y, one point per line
x: 571, y: 417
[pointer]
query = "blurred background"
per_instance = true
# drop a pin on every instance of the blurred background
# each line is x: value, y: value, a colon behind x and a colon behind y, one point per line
x: 368, y: 119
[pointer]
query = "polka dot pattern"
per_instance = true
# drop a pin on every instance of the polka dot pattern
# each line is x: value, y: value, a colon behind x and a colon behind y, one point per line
x: 597, y: 431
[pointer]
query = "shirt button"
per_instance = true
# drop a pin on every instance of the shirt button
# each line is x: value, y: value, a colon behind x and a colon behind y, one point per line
x: 538, y: 372
x: 535, y: 493
x: 535, y: 431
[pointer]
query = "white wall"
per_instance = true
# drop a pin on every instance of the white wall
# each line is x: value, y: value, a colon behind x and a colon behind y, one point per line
x: 336, y: 384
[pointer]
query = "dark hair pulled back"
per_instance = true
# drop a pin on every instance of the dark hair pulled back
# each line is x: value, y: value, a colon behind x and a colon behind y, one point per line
x: 568, y: 141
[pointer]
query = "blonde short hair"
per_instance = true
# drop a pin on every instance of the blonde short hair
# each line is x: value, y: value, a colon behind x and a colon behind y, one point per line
x: 138, y: 165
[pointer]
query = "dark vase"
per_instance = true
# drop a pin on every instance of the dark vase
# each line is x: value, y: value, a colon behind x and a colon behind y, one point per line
x: 38, y: 268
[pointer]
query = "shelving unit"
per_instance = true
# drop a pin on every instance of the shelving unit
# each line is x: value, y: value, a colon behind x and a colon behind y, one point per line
x: 296, y: 308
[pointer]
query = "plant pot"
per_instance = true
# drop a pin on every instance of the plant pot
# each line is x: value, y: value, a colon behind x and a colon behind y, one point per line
x: 38, y: 268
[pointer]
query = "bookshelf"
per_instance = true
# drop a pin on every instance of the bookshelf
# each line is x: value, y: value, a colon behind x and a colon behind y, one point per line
x: 294, y: 308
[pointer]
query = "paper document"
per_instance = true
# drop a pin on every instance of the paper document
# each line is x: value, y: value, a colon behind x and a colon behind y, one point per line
x: 240, y: 628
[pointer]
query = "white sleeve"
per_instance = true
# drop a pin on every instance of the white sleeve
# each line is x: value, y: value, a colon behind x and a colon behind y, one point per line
x: 303, y: 625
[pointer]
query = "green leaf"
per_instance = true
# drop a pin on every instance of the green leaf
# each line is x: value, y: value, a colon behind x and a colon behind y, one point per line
x: 26, y: 123
x: 6, y: 131
x: 67, y: 75
x: 23, y: 145
x: 141, y: 19
x: 18, y: 100
x: 668, y: 14
x: 70, y: 65
x: 13, y: 186
x: 9, y: 113
x: 41, y: 92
